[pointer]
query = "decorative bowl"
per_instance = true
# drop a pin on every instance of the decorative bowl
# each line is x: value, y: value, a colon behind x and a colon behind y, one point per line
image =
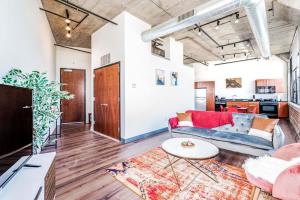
x: 187, y: 144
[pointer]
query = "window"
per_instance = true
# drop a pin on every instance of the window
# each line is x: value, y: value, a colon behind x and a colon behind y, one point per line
x: 294, y: 83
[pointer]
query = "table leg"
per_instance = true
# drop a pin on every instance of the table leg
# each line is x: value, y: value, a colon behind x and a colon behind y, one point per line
x: 201, y: 170
x: 174, y: 174
x: 172, y: 162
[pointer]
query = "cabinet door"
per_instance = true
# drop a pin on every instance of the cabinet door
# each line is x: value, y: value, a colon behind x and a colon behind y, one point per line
x: 280, y: 88
x: 259, y: 82
x: 283, y: 109
x: 252, y: 106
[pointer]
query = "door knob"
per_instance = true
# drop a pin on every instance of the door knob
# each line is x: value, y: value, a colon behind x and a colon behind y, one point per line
x: 104, y: 104
x: 27, y: 107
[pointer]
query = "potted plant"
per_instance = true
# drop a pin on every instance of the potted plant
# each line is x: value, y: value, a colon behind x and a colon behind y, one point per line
x: 46, y: 100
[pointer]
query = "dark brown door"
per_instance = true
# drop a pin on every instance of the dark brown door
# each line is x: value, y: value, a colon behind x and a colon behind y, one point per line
x: 74, y: 109
x: 106, y: 104
x: 210, y: 93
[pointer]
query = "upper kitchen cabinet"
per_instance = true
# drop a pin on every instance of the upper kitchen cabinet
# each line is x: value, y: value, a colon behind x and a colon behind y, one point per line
x: 265, y: 86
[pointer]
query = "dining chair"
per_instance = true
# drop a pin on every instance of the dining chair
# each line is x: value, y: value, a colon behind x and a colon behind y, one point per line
x: 232, y: 109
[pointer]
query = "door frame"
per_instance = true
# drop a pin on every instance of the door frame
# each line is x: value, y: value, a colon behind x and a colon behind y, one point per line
x: 84, y: 70
x: 105, y: 66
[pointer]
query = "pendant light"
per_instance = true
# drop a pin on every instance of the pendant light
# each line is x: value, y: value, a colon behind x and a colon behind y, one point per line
x: 218, y: 25
x: 237, y: 18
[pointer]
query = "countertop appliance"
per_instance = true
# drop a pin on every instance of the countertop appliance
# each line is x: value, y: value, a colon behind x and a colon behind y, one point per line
x: 200, y: 99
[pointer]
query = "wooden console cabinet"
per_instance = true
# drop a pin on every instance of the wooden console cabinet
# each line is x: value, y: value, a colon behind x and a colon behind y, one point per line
x: 283, y: 109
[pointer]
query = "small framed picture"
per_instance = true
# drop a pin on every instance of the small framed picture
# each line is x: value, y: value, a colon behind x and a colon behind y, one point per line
x: 160, y: 77
x: 174, y: 78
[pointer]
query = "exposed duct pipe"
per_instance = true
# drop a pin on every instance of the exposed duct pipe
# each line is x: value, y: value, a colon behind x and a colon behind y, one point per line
x: 255, y: 10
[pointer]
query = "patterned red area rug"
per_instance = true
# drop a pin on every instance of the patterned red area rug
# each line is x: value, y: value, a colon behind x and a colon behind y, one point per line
x: 147, y: 176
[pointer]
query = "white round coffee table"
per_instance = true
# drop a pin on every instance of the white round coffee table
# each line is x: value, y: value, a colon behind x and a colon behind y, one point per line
x: 200, y: 150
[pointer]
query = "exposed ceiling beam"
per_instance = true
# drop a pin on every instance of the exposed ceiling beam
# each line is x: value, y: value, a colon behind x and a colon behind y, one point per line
x: 196, y: 60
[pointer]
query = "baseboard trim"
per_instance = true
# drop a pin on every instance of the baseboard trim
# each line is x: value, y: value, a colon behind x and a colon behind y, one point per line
x: 144, y: 135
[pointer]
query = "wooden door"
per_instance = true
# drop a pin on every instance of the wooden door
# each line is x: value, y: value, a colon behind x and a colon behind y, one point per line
x: 107, y: 104
x: 73, y: 110
x: 210, y: 93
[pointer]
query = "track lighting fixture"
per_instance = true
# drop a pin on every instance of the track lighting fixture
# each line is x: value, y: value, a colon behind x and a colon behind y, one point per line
x: 234, y: 46
x: 68, y: 28
x: 68, y: 35
x: 199, y: 32
x: 67, y: 20
x: 237, y: 18
x: 218, y: 25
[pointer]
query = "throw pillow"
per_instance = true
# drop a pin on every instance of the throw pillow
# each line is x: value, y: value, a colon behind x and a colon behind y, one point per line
x: 260, y: 133
x: 263, y: 127
x: 264, y: 124
x: 184, y: 116
x: 185, y: 119
x: 185, y: 123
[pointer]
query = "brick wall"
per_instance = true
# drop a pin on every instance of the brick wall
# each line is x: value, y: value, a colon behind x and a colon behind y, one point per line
x: 295, y: 117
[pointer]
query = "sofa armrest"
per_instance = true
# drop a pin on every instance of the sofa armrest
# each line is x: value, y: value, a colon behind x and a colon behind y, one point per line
x: 278, y: 137
x: 287, y: 184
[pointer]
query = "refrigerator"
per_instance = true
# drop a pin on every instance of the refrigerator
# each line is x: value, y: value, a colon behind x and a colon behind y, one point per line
x: 200, y: 99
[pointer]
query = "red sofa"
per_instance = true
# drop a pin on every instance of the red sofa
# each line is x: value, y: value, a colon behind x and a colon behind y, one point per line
x: 228, y: 131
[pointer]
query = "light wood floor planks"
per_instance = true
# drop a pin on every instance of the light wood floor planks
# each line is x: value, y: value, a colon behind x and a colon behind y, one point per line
x: 83, y: 156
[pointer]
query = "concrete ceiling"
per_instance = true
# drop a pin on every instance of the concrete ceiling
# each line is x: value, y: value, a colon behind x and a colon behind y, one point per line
x: 282, y: 20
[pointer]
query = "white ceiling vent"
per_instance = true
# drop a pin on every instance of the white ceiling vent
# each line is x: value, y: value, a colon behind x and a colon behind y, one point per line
x: 186, y: 15
x: 105, y: 59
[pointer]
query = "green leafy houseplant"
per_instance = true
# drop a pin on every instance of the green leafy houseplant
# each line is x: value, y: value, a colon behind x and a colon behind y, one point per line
x: 46, y: 98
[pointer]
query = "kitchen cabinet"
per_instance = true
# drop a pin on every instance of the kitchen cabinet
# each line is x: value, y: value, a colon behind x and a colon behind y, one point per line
x: 283, y: 109
x: 278, y: 83
x: 246, y: 104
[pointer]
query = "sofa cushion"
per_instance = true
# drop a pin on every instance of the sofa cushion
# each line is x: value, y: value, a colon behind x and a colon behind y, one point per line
x: 237, y: 138
x: 209, y: 119
x: 266, y: 125
x: 242, y: 123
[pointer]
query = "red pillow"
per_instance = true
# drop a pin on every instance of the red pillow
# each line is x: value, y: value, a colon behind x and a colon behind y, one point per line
x: 173, y: 122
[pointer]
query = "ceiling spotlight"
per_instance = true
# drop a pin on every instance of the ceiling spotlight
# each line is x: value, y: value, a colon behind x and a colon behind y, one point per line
x: 68, y: 35
x: 200, y: 32
x: 67, y: 20
x: 218, y: 25
x: 234, y: 46
x: 68, y: 28
x: 223, y: 57
x: 234, y: 55
x: 237, y: 18
x: 222, y: 48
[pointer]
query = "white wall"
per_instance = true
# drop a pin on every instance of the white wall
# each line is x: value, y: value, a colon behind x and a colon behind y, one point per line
x: 249, y: 71
x: 26, y: 38
x: 72, y: 59
x: 145, y: 106
x: 148, y: 106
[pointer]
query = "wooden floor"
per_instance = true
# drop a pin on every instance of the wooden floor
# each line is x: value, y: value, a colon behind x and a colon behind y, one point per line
x: 83, y: 156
